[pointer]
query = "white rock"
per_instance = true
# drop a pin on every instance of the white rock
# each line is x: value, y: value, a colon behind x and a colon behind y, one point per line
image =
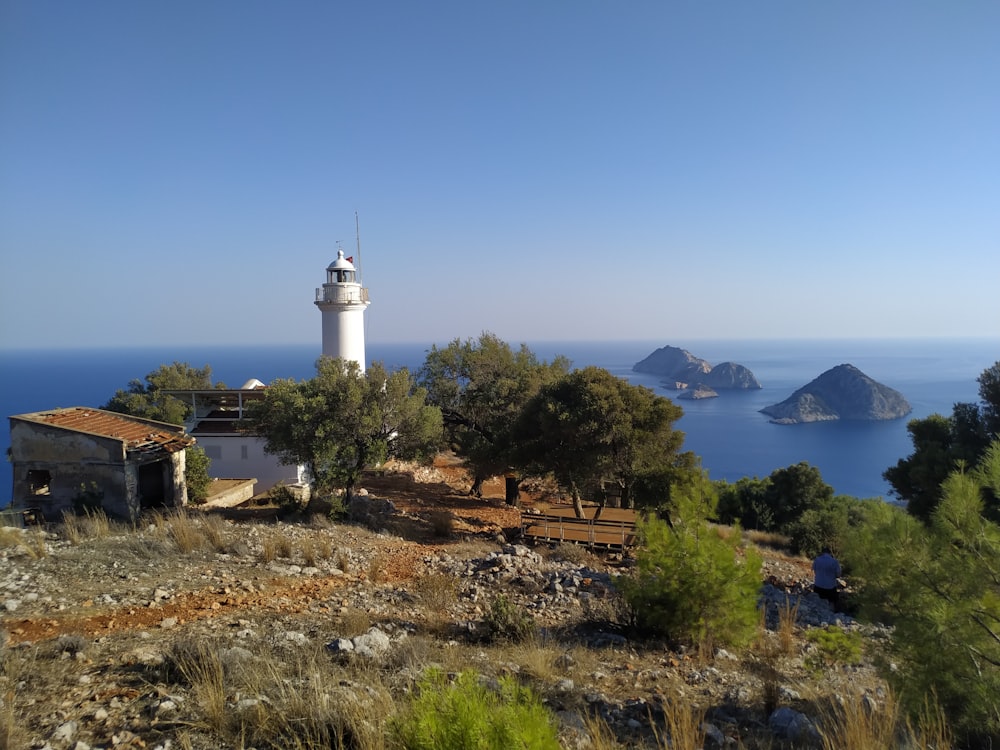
x: 65, y: 732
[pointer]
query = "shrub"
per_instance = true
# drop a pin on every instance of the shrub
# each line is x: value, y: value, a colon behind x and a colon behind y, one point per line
x: 689, y: 583
x: 505, y: 621
x: 442, y: 523
x: 286, y: 499
x: 196, y: 463
x: 469, y: 715
x: 834, y: 645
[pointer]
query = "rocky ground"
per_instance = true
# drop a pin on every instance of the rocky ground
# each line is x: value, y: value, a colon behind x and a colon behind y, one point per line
x: 97, y: 618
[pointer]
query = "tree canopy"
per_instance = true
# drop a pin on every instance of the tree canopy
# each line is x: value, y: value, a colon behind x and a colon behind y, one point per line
x: 590, y: 427
x: 941, y: 444
x: 343, y: 421
x: 149, y: 400
x: 481, y: 386
x: 775, y: 502
x: 939, y: 585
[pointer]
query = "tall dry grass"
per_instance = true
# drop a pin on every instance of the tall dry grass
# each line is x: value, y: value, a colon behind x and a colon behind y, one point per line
x: 788, y: 615
x: 298, y: 702
x: 865, y: 724
x: 93, y: 524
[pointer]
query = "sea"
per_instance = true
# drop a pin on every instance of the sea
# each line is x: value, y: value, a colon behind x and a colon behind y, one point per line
x: 731, y: 436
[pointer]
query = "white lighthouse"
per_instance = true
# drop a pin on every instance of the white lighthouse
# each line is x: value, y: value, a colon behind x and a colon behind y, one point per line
x: 343, y: 302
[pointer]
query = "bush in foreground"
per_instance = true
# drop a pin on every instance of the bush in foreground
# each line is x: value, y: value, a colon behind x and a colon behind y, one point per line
x: 691, y: 583
x: 469, y: 715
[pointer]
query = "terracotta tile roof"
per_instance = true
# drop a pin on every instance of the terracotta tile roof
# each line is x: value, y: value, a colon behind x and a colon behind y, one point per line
x: 141, y: 436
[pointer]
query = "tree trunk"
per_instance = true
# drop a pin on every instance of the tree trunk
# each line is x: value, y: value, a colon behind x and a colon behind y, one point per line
x: 627, y: 501
x: 477, y: 486
x: 512, y: 489
x: 578, y: 504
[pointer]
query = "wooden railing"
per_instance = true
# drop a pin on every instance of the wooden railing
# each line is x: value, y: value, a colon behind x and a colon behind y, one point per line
x: 588, y: 531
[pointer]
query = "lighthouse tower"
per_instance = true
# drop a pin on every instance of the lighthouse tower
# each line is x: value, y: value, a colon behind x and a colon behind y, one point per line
x: 342, y: 302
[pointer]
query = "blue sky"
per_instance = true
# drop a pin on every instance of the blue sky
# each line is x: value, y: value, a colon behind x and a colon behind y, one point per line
x: 182, y: 172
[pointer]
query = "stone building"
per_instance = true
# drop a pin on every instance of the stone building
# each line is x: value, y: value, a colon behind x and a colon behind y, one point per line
x: 76, y: 457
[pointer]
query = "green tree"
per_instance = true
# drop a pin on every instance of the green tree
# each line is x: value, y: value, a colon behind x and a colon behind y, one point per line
x: 481, y: 386
x: 941, y: 444
x: 196, y: 476
x: 794, y: 490
x: 691, y: 582
x: 343, y: 421
x: 745, y: 503
x: 149, y: 399
x: 830, y: 524
x: 591, y: 427
x: 938, y: 584
x: 775, y: 502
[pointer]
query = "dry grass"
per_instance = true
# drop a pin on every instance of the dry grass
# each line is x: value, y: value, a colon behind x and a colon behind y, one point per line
x: 216, y: 532
x: 275, y: 545
x: 863, y: 723
x: 10, y: 537
x: 200, y: 665
x: 94, y: 524
x: 181, y: 530
x: 344, y: 561
x: 442, y: 523
x: 787, y: 617
x: 770, y: 539
x: 314, y: 549
x: 376, y: 569
x: 354, y: 622
x: 437, y: 592
x: 684, y: 724
x: 12, y: 734
x: 571, y: 553
x: 310, y: 555
x: 30, y: 542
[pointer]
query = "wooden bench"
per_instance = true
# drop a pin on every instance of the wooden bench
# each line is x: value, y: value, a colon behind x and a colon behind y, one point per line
x: 602, y: 532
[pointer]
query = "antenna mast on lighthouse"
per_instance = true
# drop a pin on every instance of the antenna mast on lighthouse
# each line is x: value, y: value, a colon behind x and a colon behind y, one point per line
x: 357, y: 234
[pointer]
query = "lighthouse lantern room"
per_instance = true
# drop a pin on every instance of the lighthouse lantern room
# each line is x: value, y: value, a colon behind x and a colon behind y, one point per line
x: 343, y: 301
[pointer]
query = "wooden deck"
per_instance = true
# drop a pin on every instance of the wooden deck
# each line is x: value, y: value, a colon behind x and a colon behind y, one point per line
x: 613, y: 528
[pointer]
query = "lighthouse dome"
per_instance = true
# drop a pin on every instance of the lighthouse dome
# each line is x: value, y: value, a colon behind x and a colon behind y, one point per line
x: 341, y: 263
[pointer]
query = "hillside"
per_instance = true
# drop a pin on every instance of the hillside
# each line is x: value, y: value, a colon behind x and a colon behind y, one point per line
x: 305, y: 619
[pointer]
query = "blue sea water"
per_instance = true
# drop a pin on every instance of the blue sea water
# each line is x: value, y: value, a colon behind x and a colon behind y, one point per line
x: 731, y: 436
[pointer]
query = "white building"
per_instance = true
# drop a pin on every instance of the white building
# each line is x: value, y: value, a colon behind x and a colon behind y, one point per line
x: 343, y: 301
x: 214, y: 423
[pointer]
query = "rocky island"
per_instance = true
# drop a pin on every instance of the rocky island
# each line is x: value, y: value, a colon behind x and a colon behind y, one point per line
x: 842, y: 392
x: 682, y: 371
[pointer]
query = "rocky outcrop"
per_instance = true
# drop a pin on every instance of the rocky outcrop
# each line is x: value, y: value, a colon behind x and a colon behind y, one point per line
x: 698, y: 392
x: 730, y: 375
x: 843, y: 392
x: 682, y: 370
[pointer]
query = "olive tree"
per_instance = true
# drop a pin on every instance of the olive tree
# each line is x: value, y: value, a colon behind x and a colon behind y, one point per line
x: 481, y: 386
x: 343, y: 421
x: 590, y: 427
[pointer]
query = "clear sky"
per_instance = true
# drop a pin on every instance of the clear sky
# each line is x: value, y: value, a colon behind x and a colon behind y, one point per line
x: 181, y: 172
